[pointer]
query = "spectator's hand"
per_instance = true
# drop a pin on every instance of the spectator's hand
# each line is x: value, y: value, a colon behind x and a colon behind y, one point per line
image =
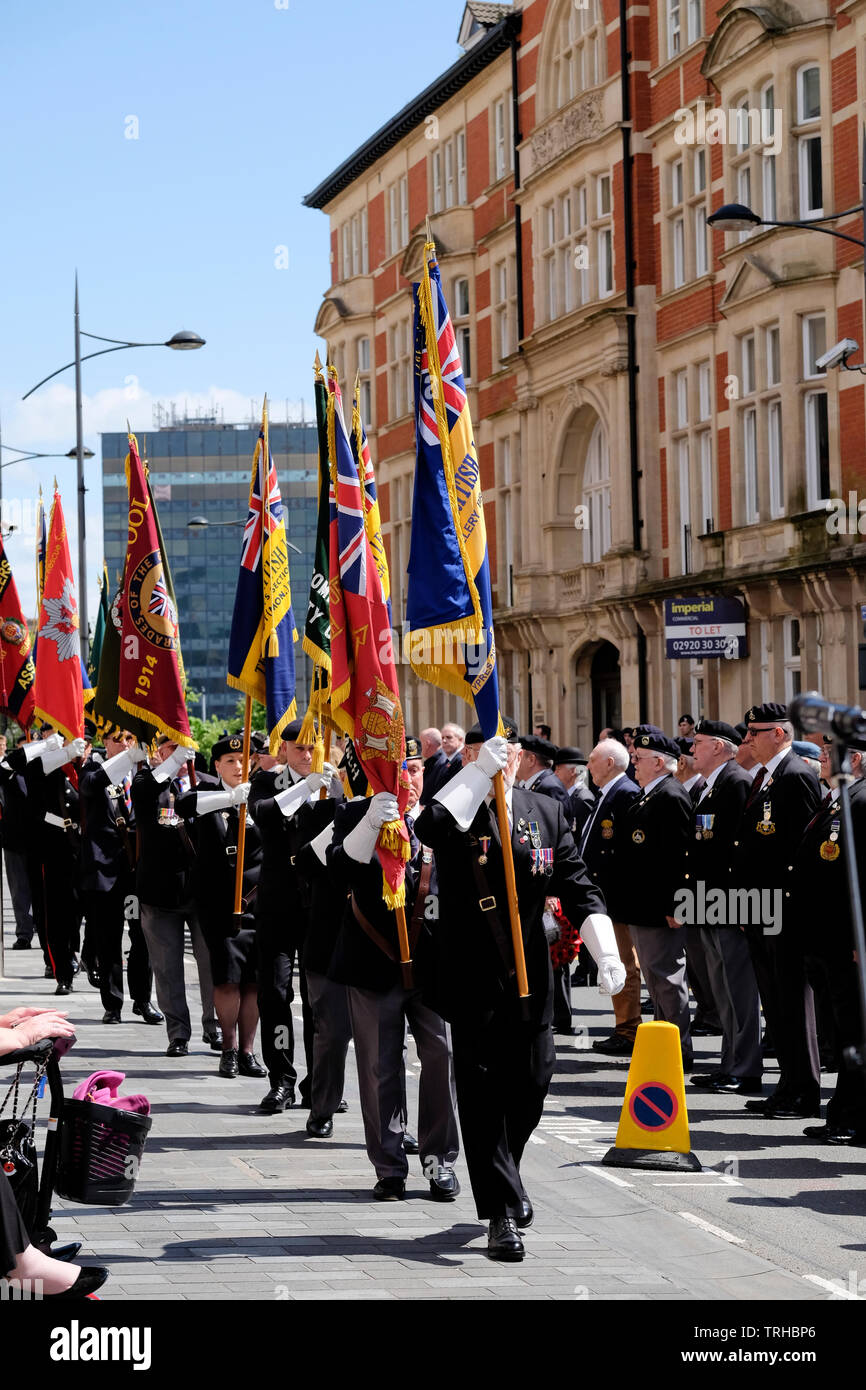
x: 49, y: 1024
x: 18, y: 1015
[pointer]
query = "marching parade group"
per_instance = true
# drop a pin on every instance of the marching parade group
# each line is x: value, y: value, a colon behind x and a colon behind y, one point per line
x: 712, y: 864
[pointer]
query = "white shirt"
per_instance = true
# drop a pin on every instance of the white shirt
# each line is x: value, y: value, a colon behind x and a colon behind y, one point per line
x: 654, y: 783
x: 602, y: 794
x: 711, y: 779
x: 774, y: 762
x: 692, y: 782
x: 527, y: 782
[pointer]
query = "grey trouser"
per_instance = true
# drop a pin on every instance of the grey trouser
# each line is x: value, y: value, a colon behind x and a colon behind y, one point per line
x: 19, y: 889
x: 662, y: 955
x: 735, y: 989
x: 698, y: 979
x: 332, y: 1030
x: 379, y: 1029
x: 163, y: 932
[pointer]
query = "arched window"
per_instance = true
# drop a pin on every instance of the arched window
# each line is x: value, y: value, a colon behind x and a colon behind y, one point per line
x: 596, y: 497
x: 578, y: 53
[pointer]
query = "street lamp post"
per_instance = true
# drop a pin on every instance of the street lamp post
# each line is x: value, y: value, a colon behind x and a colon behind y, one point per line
x: 183, y: 342
x: 735, y: 217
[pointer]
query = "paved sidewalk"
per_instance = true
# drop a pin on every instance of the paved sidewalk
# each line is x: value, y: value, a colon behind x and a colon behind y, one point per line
x: 234, y: 1204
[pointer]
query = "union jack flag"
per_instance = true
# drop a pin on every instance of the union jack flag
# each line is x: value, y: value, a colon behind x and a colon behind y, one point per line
x: 160, y: 602
x: 350, y: 511
x: 453, y: 384
x: 257, y: 526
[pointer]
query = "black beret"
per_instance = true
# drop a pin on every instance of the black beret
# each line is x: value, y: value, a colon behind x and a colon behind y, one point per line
x: 686, y: 746
x: 650, y: 736
x: 90, y: 729
x: 567, y: 756
x: 741, y: 730
x: 413, y: 746
x: 541, y: 747
x: 717, y: 728
x: 766, y: 714
x: 476, y: 734
x: 291, y: 731
x: 229, y: 743
x: 685, y: 716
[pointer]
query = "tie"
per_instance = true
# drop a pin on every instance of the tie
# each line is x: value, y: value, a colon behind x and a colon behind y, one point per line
x: 126, y: 784
x: 697, y: 791
x: 756, y: 785
x: 588, y: 827
x: 820, y: 811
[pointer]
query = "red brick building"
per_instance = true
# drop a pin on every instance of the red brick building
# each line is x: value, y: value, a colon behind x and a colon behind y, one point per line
x: 650, y: 418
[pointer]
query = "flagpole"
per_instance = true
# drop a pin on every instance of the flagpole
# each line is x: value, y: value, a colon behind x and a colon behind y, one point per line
x: 242, y: 813
x: 405, y: 953
x: 511, y: 889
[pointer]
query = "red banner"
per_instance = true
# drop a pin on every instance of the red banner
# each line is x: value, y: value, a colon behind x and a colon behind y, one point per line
x: 17, y: 671
x: 149, y: 684
x: 57, y: 691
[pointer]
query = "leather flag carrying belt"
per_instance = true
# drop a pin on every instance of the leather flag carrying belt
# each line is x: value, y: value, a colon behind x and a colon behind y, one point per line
x: 487, y: 903
x: 61, y: 822
x: 415, y: 924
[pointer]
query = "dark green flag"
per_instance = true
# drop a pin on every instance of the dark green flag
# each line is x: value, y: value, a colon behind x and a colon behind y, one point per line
x: 102, y: 619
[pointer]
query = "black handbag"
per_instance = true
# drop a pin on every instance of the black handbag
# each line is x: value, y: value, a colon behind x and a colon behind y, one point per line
x: 18, y: 1151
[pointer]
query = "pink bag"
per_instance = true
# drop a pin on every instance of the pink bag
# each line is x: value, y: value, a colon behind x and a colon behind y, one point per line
x: 101, y: 1087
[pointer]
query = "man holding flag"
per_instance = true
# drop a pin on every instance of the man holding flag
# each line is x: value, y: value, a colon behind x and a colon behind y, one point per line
x: 494, y: 986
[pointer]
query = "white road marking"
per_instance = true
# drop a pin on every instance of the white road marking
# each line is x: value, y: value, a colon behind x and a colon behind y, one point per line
x: 534, y: 1139
x: 838, y: 1289
x: 603, y: 1173
x: 708, y: 1226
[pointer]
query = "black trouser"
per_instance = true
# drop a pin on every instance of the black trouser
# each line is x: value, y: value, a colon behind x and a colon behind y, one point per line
x: 60, y: 901
x: 502, y: 1068
x: 562, y: 1015
x: 846, y: 1108
x: 275, y: 959
x: 105, y: 920
x: 37, y: 898
x: 309, y: 1027
x: 786, y: 998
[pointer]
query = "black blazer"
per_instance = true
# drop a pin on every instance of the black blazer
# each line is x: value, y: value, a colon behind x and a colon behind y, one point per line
x: 48, y: 844
x: 787, y: 802
x: 215, y: 836
x: 715, y: 823
x: 581, y: 808
x: 656, y: 827
x: 602, y: 852
x: 442, y: 774
x: 13, y: 797
x: 819, y: 904
x: 327, y: 894
x: 107, y: 830
x: 469, y: 980
x: 548, y: 784
x: 433, y: 767
x: 356, y: 959
x: 162, y: 873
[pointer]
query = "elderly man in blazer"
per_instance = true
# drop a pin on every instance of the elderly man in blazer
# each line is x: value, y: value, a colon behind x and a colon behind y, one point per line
x: 716, y: 818
x: 784, y: 796
x: 535, y: 771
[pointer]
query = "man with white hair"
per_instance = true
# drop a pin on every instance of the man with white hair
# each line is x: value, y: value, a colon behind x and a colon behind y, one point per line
x: 453, y: 738
x: 434, y: 760
x: 716, y: 818
x: 503, y: 1051
x: 601, y: 848
x: 656, y: 828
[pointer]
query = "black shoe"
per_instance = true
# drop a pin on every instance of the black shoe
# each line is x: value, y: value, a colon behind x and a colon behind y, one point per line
x: 147, y: 1013
x: 444, y: 1187
x: 88, y: 1281
x: 63, y: 987
x: 647, y: 1007
x: 846, y: 1136
x: 178, y: 1048
x: 111, y: 1016
x: 65, y: 1252
x: 563, y: 1032
x: 410, y: 1143
x: 342, y: 1107
x: 738, y: 1085
x: 214, y: 1039
x: 703, y: 1030
x: 320, y: 1126
x: 94, y: 978
x: 781, y: 1108
x: 76, y: 965
x: 249, y: 1065
x: 503, y: 1240
x: 20, y: 945
x: 390, y: 1190
x: 228, y: 1066
x: 525, y: 1216
x: 614, y: 1046
x: 708, y: 1080
x: 281, y: 1096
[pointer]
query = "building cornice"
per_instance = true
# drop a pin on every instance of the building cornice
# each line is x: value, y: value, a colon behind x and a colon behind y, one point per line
x: 479, y: 57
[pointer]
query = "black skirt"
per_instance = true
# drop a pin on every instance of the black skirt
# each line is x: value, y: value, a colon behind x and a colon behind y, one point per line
x: 13, y: 1233
x: 232, y: 958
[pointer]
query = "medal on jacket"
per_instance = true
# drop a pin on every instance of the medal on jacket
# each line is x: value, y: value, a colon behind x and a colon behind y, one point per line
x: 607, y: 830
x: 484, y: 841
x: 638, y: 837
x: 704, y: 827
x: 542, y: 860
x: 534, y: 834
x: 830, y: 848
x: 766, y: 826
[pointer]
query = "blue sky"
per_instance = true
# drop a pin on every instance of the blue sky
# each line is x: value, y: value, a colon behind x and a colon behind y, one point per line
x: 242, y: 107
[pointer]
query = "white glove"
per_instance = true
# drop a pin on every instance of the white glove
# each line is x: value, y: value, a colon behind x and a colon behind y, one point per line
x: 124, y: 764
x: 493, y: 756
x: 464, y: 793
x: 321, y: 842
x: 318, y: 781
x: 611, y: 975
x: 37, y: 748
x: 213, y: 799
x: 597, y: 935
x: 360, y: 843
x: 240, y: 794
x: 136, y: 754
x: 59, y: 757
x: 171, y: 766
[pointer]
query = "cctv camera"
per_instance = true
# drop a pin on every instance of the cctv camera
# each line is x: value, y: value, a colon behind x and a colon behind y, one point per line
x: 837, y: 354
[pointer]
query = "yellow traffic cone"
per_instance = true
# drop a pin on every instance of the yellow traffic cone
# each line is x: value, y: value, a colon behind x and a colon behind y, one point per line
x: 654, y: 1123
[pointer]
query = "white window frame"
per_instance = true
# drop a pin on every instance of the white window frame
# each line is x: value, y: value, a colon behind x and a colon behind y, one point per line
x: 596, y: 497
x: 775, y: 458
x: 674, y: 31
x: 708, y: 489
x: 812, y: 413
x: 750, y: 464
x: 807, y: 321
